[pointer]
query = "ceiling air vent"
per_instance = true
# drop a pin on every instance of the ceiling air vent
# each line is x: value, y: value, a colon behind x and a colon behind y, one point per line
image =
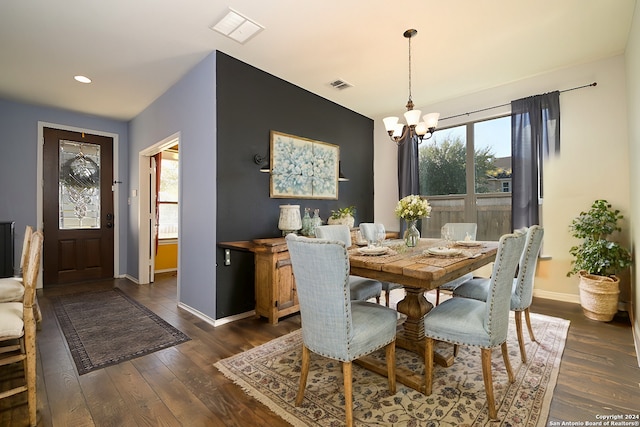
x: 340, y: 84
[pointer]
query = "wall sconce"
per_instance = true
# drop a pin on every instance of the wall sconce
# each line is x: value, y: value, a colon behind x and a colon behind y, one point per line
x: 263, y: 162
x: 341, y: 177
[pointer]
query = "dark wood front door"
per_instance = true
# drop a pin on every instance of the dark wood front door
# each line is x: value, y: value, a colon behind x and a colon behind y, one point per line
x: 78, y: 207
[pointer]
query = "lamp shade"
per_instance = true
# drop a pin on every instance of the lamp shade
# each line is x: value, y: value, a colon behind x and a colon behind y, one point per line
x: 412, y: 117
x: 289, y: 220
x: 390, y: 123
x: 431, y: 120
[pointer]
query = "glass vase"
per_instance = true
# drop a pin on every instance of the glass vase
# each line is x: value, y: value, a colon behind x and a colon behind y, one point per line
x: 411, y: 234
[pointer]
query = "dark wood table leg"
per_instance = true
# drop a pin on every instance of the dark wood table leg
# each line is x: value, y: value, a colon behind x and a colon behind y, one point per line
x: 411, y: 335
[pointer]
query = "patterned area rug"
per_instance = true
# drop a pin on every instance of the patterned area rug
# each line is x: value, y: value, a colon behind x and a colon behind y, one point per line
x: 270, y: 373
x: 105, y: 328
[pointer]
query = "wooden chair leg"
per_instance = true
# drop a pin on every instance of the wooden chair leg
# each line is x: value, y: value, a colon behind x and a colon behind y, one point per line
x: 304, y: 371
x: 507, y: 363
x: 378, y: 299
x: 456, y: 348
x: 523, y: 351
x: 488, y: 382
x: 386, y: 297
x: 528, y: 319
x: 428, y: 365
x: 437, y: 296
x: 348, y: 392
x: 390, y: 351
x: 37, y: 313
x: 30, y: 368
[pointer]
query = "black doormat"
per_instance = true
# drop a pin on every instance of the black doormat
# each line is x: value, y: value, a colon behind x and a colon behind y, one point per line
x: 104, y: 328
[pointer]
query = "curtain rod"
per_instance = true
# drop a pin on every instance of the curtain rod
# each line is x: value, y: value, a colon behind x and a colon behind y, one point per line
x: 504, y: 105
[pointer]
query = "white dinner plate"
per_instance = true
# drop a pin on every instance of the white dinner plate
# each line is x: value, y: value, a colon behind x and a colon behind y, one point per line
x: 443, y: 251
x: 468, y: 243
x: 373, y: 251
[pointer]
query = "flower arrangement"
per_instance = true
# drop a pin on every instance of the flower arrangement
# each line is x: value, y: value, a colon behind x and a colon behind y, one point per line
x: 412, y: 208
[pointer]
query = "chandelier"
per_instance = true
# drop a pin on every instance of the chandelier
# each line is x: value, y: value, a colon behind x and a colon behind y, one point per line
x: 397, y: 131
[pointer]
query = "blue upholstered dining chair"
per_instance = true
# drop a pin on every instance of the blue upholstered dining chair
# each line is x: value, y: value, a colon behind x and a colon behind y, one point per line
x: 360, y: 288
x: 522, y: 289
x: 368, y: 230
x: 484, y: 324
x: 456, y: 231
x: 333, y: 325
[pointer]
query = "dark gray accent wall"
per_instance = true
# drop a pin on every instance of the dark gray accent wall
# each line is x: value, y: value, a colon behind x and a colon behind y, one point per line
x: 251, y: 103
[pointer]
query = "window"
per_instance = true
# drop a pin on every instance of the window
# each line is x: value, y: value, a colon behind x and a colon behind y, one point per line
x: 168, y: 196
x: 476, y: 155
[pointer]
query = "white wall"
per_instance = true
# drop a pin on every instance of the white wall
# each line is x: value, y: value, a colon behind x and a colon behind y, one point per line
x: 593, y: 162
x: 632, y: 58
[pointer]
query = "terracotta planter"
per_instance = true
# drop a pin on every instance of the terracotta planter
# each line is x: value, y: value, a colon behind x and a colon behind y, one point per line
x: 599, y: 296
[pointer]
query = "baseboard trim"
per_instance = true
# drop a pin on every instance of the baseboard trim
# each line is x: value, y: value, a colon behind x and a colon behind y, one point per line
x: 235, y: 317
x: 215, y: 322
x: 166, y: 270
x: 133, y: 279
x: 557, y: 296
x: 635, y: 329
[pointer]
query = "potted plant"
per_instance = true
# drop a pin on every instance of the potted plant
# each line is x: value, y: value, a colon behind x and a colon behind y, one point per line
x: 597, y: 260
x: 343, y: 216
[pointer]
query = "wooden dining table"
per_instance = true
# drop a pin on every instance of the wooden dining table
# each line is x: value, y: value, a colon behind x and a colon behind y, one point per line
x: 418, y: 271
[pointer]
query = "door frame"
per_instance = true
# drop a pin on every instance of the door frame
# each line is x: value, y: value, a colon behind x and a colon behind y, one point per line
x: 145, y: 263
x: 114, y: 187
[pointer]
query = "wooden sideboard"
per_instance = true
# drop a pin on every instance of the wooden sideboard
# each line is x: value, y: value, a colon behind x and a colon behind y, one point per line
x: 275, y: 287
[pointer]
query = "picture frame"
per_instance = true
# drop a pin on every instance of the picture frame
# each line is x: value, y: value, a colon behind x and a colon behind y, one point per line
x: 303, y: 168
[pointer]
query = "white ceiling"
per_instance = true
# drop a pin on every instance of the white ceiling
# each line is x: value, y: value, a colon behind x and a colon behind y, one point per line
x: 134, y: 50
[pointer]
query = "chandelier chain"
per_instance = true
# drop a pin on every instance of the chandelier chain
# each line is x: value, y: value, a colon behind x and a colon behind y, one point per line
x: 411, y: 101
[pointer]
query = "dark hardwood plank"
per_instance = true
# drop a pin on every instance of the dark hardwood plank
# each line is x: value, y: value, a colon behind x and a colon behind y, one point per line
x: 180, y: 386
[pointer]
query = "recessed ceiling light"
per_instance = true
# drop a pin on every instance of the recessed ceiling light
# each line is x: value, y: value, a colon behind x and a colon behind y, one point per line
x: 82, y: 79
x: 237, y: 27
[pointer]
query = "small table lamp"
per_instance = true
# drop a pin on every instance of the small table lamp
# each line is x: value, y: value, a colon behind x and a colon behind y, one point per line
x: 290, y: 220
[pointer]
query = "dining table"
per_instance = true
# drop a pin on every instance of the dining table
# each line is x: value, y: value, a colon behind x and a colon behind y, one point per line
x: 431, y: 263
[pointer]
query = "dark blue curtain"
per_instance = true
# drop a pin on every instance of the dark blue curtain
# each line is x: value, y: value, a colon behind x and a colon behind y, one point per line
x: 535, y: 134
x: 408, y: 181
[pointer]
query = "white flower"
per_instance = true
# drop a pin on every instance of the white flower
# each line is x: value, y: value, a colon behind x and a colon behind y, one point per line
x: 413, y: 207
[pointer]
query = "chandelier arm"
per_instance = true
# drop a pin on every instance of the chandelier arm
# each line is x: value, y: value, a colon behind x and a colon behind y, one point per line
x: 399, y: 140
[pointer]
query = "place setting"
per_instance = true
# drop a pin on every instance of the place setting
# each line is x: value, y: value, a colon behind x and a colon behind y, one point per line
x: 373, y: 242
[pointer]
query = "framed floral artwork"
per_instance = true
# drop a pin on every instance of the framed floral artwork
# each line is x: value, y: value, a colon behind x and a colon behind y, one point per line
x: 302, y: 168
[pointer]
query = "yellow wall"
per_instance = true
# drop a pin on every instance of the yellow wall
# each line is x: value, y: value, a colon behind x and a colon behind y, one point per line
x: 167, y: 257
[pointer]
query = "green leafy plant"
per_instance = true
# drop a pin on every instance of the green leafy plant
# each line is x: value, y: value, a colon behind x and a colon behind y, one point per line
x: 343, y: 212
x: 596, y: 254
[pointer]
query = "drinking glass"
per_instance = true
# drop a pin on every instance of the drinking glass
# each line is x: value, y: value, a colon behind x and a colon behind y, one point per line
x: 447, y: 235
x: 380, y: 234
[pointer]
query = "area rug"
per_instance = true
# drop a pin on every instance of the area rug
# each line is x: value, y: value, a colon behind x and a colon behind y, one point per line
x: 270, y: 373
x: 105, y: 328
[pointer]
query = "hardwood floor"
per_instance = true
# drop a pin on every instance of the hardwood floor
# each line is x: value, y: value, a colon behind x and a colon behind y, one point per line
x: 179, y: 386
